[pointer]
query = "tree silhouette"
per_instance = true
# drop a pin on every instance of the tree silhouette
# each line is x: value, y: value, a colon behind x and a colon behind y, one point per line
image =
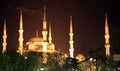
x: 101, y: 60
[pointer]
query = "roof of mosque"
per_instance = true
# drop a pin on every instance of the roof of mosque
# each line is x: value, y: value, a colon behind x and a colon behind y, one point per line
x: 36, y: 39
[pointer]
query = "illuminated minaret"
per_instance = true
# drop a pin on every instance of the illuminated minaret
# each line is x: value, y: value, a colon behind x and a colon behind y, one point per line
x: 50, y: 35
x: 51, y: 45
x: 20, y: 48
x: 107, y: 36
x: 4, y: 37
x: 71, y: 39
x: 44, y: 31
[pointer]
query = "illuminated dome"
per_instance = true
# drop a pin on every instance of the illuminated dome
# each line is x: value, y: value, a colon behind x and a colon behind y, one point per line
x: 36, y: 39
x: 80, y: 57
x: 35, y: 44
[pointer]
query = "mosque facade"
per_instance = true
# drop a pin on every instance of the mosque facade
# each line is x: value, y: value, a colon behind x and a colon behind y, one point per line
x: 44, y: 43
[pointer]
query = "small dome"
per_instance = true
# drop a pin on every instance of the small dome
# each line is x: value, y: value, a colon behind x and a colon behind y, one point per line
x: 36, y: 39
x: 80, y: 57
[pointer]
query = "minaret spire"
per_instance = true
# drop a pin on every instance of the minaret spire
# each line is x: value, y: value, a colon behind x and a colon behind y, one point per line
x: 71, y: 39
x: 50, y: 35
x: 20, y: 48
x: 44, y: 32
x: 107, y: 36
x: 4, y: 37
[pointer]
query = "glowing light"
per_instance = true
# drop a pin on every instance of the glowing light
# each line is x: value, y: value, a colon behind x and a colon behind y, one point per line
x: 91, y: 59
x: 42, y: 69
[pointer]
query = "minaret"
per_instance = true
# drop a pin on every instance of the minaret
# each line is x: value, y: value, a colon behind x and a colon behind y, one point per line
x: 107, y: 36
x: 44, y: 32
x: 71, y: 39
x: 20, y: 48
x: 50, y: 35
x: 51, y: 45
x: 4, y: 37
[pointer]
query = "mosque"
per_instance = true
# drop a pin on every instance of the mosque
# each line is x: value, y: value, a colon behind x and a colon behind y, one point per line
x: 44, y: 43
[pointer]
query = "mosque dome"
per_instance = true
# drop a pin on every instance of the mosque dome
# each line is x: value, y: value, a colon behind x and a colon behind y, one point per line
x: 80, y: 57
x: 36, y: 39
x: 35, y: 44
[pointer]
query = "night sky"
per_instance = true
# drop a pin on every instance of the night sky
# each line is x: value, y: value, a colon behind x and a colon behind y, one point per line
x: 88, y: 21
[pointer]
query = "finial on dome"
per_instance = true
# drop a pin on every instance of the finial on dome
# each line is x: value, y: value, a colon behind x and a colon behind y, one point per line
x: 37, y: 33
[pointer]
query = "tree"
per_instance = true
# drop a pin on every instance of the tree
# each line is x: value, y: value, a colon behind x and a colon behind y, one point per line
x: 32, y: 62
x: 102, y: 62
x: 72, y: 63
x: 11, y: 61
x: 55, y: 61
